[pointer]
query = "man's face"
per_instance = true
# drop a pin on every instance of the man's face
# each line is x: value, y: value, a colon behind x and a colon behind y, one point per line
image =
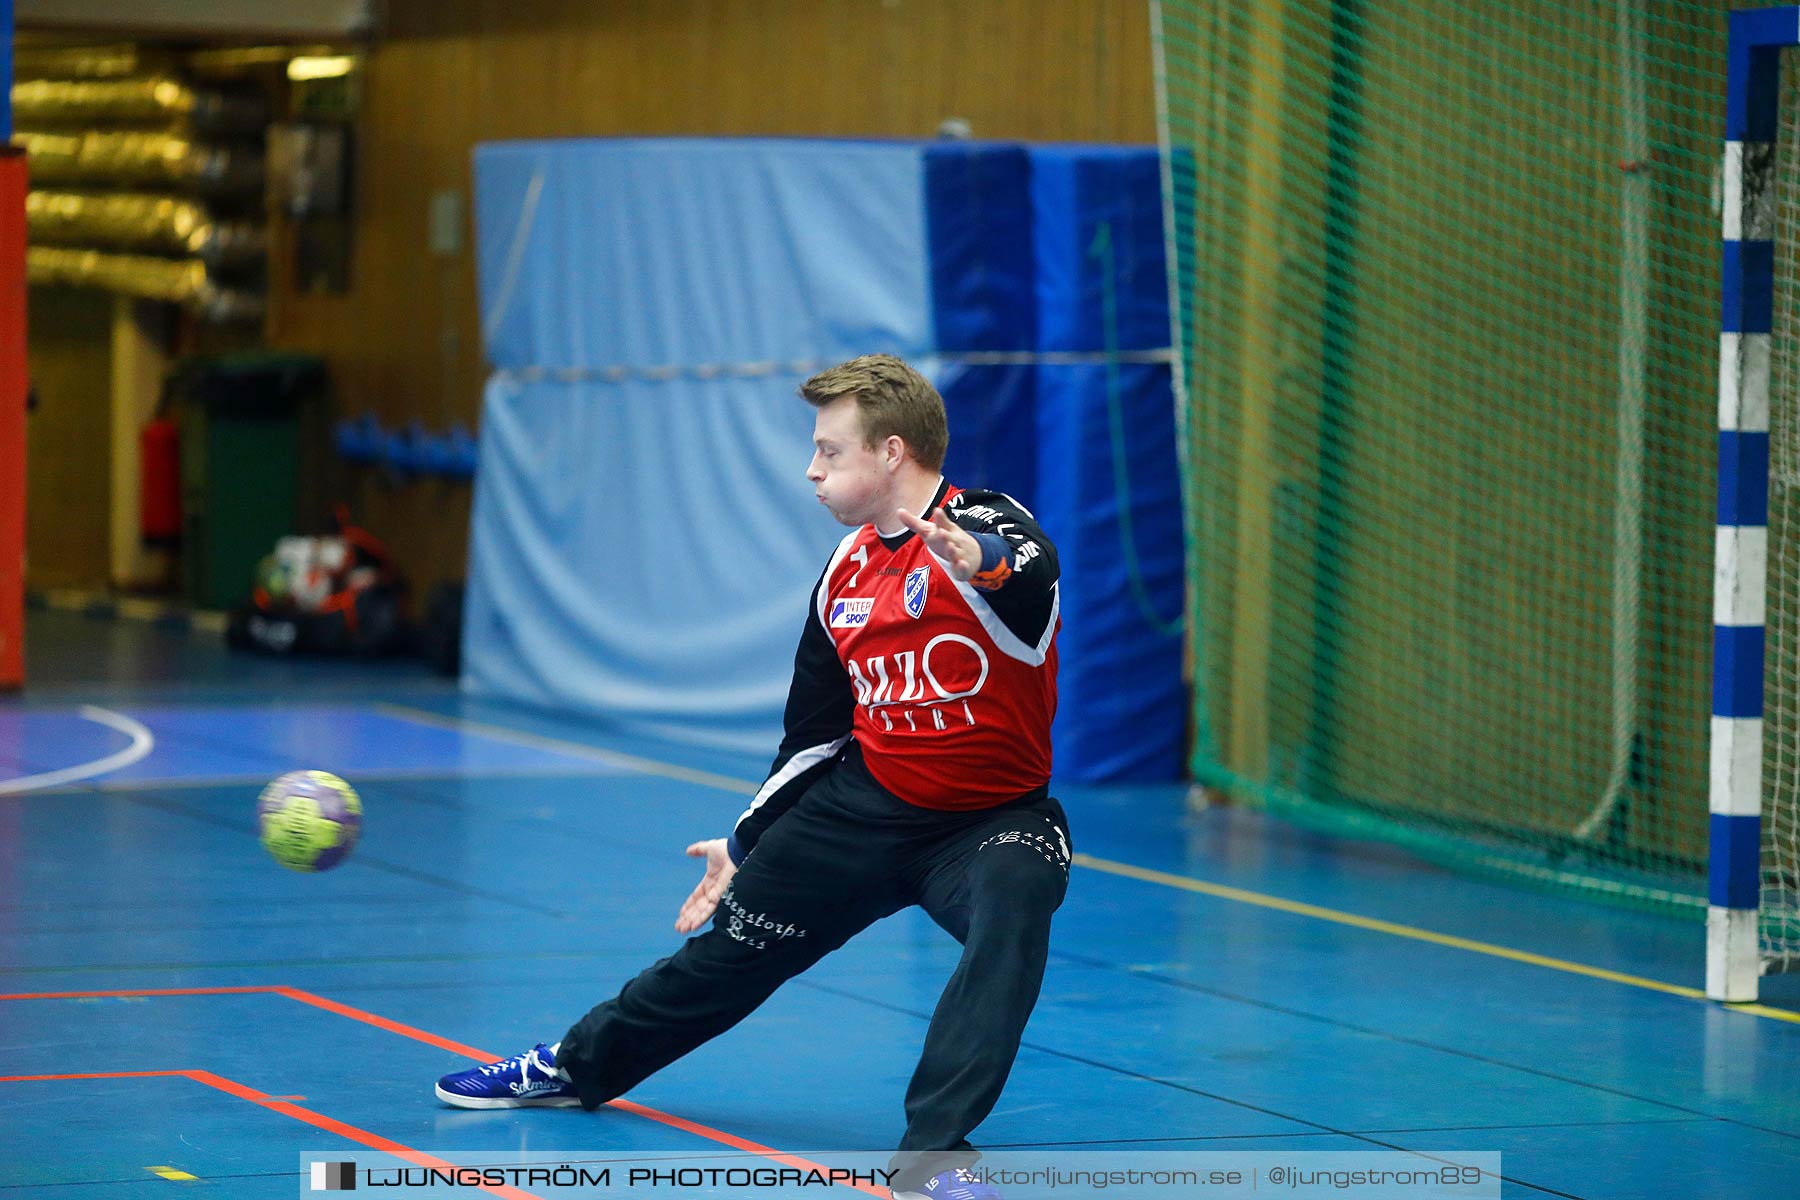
x: 848, y: 477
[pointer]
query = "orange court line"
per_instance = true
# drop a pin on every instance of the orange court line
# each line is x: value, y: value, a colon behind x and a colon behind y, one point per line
x: 292, y: 993
x: 430, y: 1039
x: 384, y: 1023
x: 208, y: 991
x: 232, y: 1087
x: 88, y: 1075
x: 682, y: 1123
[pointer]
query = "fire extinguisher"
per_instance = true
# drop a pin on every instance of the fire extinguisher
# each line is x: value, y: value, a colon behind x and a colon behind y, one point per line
x: 159, y: 482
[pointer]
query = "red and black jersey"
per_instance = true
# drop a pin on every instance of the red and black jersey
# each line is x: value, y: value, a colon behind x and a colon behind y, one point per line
x: 948, y: 688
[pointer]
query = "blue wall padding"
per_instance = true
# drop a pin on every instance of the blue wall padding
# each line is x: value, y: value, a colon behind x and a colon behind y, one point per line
x: 692, y: 251
x: 978, y: 222
x: 993, y: 427
x: 644, y: 552
x: 1096, y: 257
x: 984, y: 298
x: 1097, y: 225
x: 644, y: 538
x: 643, y: 548
x: 1121, y: 702
x: 1097, y: 230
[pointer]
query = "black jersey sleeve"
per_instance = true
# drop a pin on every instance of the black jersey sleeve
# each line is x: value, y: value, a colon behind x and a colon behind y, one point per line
x: 816, y: 728
x: 1019, y: 568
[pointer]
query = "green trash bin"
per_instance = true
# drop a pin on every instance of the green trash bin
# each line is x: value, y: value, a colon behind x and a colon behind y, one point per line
x: 248, y: 425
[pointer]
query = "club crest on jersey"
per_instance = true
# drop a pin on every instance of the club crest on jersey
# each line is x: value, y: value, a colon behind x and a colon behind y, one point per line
x: 851, y: 613
x: 917, y: 581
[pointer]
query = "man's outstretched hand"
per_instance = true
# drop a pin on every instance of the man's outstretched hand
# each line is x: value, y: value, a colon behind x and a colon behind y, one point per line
x: 949, y: 541
x: 699, y: 906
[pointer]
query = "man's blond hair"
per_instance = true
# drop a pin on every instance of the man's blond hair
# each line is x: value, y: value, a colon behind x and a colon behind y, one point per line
x: 892, y: 400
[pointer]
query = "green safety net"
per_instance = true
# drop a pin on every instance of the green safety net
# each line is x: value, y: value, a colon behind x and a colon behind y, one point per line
x: 1448, y: 277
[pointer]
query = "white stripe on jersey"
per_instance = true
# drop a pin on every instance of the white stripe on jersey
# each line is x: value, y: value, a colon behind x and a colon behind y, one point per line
x: 837, y: 556
x: 802, y: 762
x: 1004, y: 638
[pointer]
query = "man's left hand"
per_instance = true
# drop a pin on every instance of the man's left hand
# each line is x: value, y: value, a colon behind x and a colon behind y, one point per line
x: 700, y: 904
x: 944, y: 538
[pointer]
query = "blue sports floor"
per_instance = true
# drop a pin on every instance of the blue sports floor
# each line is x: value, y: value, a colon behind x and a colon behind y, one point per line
x: 180, y: 1012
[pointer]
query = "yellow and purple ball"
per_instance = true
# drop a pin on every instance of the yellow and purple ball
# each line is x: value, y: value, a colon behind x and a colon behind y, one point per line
x: 309, y: 820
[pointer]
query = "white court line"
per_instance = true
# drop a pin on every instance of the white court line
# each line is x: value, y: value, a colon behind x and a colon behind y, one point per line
x: 357, y: 778
x: 648, y: 766
x: 141, y: 744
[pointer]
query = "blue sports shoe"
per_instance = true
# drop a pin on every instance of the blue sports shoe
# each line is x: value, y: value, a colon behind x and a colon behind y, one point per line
x: 528, y: 1080
x: 953, y: 1185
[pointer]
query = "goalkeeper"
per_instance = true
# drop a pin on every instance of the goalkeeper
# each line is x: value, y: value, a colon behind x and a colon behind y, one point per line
x: 913, y: 770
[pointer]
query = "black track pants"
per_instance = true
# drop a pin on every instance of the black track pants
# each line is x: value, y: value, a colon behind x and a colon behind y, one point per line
x: 847, y: 854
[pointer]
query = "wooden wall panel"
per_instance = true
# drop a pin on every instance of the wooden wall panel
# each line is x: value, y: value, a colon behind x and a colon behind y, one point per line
x: 405, y: 341
x: 68, y: 446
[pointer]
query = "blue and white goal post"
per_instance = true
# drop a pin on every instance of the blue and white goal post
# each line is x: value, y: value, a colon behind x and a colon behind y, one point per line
x: 1734, y: 956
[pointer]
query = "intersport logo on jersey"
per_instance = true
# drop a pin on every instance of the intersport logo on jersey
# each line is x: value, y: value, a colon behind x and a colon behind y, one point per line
x: 851, y: 613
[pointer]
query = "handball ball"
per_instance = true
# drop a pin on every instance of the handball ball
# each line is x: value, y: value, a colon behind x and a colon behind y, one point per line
x: 309, y: 820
